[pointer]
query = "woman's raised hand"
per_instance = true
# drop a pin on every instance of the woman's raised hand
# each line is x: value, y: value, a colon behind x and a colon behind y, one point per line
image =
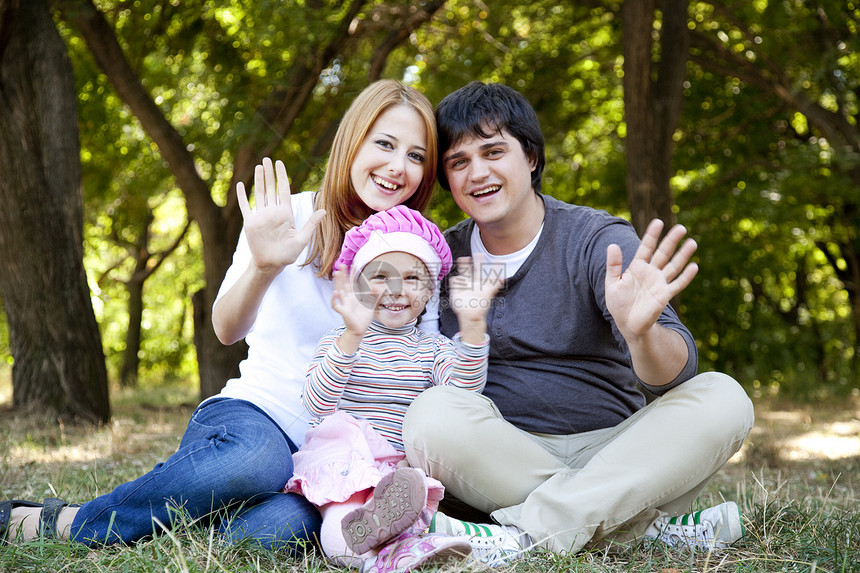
x: 270, y: 228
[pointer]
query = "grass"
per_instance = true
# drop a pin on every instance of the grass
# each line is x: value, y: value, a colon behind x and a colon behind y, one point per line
x: 796, y: 480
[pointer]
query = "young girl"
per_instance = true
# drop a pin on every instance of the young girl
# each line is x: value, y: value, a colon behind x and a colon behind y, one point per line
x: 236, y: 453
x: 364, y: 376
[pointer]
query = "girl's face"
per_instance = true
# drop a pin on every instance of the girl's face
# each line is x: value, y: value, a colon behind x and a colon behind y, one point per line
x: 400, y: 283
x: 389, y: 165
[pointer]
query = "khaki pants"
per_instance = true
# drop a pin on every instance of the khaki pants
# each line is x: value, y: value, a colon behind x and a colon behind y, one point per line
x: 572, y: 491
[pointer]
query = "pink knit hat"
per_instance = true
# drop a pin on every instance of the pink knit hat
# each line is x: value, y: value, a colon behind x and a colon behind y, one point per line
x: 399, y: 229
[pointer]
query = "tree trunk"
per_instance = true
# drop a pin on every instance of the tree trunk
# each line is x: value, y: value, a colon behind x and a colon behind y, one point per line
x: 59, y: 366
x: 130, y: 358
x: 145, y: 265
x: 220, y: 226
x: 215, y: 362
x: 652, y: 105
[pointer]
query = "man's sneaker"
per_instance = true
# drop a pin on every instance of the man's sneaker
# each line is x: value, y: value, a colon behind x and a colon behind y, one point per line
x: 713, y: 528
x: 494, y: 545
x: 395, y: 506
x: 411, y: 551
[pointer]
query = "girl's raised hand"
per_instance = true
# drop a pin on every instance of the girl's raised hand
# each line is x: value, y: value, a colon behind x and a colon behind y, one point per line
x: 471, y: 293
x: 357, y: 314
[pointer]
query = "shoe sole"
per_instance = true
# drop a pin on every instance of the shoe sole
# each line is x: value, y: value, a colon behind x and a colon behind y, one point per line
x: 449, y: 549
x: 406, y: 555
x: 397, y: 503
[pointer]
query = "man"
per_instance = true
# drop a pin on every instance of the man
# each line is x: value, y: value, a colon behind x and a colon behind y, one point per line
x: 562, y: 450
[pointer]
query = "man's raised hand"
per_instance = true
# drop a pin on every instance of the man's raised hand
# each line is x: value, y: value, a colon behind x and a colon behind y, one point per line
x: 659, y: 271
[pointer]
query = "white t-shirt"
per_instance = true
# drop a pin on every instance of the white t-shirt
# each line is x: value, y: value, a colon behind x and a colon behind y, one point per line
x: 510, y: 263
x: 294, y: 314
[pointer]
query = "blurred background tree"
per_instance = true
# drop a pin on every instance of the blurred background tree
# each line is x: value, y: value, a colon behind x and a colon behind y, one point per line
x: 179, y: 100
x: 767, y: 174
x: 59, y: 363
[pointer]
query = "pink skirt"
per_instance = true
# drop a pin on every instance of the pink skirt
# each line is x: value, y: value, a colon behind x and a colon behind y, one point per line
x: 343, y: 456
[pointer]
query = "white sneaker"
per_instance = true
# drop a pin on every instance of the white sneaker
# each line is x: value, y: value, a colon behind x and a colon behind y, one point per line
x: 493, y: 545
x: 713, y: 528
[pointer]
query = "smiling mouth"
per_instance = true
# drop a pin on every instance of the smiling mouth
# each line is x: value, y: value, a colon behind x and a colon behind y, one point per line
x: 394, y: 307
x: 385, y: 184
x: 486, y: 191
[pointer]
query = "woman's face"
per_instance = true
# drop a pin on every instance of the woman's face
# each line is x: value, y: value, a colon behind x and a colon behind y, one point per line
x: 389, y: 165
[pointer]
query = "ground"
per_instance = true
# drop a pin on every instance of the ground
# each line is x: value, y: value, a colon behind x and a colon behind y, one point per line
x: 796, y: 480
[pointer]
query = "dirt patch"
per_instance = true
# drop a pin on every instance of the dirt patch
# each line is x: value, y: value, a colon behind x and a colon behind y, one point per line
x: 788, y: 433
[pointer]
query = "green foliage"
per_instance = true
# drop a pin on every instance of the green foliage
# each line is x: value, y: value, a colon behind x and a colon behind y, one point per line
x: 766, y: 157
x: 565, y: 58
x: 131, y: 202
x: 772, y: 201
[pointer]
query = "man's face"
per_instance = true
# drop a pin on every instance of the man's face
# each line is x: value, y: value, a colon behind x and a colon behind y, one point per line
x: 490, y: 178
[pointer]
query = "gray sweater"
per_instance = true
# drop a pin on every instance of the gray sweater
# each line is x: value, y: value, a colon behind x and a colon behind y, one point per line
x: 558, y: 364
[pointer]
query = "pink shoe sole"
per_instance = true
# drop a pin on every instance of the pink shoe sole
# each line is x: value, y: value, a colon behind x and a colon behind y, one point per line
x: 396, y: 504
x: 411, y: 551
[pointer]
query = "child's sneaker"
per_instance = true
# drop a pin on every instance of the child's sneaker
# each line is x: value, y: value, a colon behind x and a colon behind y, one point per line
x: 713, y: 528
x: 411, y: 551
x: 396, y: 504
x: 494, y: 545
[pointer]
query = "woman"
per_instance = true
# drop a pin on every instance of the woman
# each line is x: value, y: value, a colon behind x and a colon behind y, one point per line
x: 237, y: 450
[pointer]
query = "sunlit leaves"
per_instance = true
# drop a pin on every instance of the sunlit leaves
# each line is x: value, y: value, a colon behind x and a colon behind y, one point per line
x: 764, y: 192
x: 774, y: 190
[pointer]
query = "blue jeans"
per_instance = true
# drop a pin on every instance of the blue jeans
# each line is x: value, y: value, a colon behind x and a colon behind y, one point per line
x: 229, y: 469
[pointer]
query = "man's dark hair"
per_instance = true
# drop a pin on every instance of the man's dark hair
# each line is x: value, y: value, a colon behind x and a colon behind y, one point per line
x: 481, y: 110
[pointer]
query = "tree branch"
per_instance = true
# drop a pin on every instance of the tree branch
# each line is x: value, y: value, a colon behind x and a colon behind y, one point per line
x: 102, y: 43
x: 284, y: 105
x: 160, y: 256
x: 770, y: 77
x: 400, y: 34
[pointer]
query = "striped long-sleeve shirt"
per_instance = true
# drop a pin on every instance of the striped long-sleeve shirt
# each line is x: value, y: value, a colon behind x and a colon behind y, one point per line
x: 391, y: 367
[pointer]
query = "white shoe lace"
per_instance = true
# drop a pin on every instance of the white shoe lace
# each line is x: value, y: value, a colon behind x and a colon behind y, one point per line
x: 700, y: 535
x: 503, y: 546
x: 712, y: 528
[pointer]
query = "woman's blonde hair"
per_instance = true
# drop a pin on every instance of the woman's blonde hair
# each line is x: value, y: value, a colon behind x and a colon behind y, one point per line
x: 344, y: 208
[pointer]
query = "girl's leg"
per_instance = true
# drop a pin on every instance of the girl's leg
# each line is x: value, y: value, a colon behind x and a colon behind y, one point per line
x: 331, y: 534
x: 404, y: 553
x: 231, y: 453
x: 395, y: 506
